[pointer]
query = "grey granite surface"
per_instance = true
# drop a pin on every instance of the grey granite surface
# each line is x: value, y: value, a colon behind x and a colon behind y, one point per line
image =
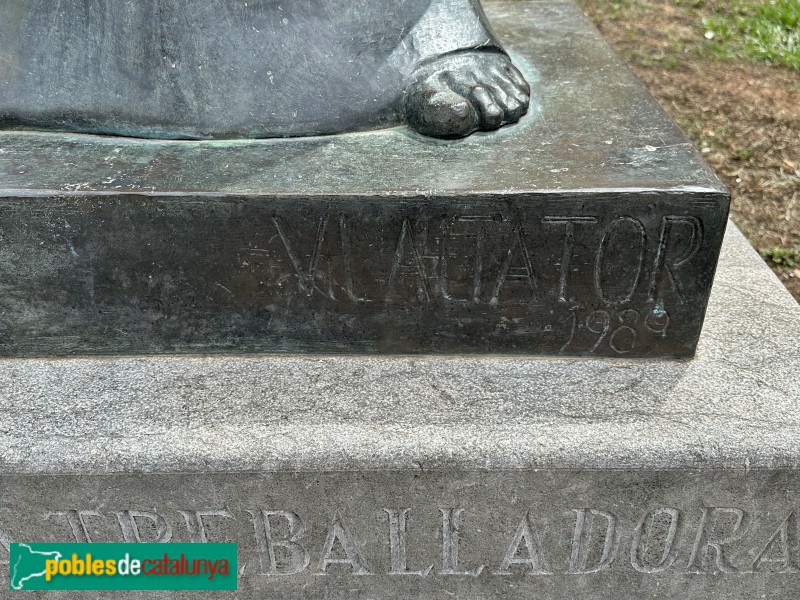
x: 733, y: 406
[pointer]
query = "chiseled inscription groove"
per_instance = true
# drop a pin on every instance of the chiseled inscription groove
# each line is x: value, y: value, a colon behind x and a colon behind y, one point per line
x: 425, y: 258
x: 129, y: 523
x: 663, y: 540
x: 781, y: 543
x: 611, y: 290
x: 642, y: 541
x: 397, y: 543
x: 584, y: 529
x: 526, y: 532
x: 5, y: 543
x: 517, y: 276
x: 569, y: 243
x: 407, y: 261
x: 77, y: 520
x: 339, y: 532
x: 196, y: 525
x: 299, y: 558
x: 671, y: 256
x: 638, y: 239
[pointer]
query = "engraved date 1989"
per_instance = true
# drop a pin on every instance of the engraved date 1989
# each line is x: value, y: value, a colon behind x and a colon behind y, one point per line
x: 620, y: 331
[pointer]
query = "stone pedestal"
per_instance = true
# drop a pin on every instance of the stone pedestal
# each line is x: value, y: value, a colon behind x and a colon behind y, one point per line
x: 439, y: 477
x: 399, y: 476
x: 590, y: 228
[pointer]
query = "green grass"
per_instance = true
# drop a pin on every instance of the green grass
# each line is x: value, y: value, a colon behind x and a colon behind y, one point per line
x: 768, y: 30
x: 783, y: 258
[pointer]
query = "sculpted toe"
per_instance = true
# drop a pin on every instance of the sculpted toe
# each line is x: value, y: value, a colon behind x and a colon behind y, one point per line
x: 443, y: 114
x: 460, y: 93
x: 510, y: 88
x: 516, y: 77
x: 514, y: 109
x: 491, y: 113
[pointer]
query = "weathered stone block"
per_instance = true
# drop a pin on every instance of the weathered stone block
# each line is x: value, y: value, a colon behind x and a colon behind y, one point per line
x: 591, y: 228
x: 423, y: 477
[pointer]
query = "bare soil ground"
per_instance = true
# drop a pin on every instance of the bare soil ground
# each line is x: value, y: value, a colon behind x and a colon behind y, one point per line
x: 743, y: 115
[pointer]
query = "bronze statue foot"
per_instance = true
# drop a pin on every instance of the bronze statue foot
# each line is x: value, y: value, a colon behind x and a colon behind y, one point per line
x: 457, y: 94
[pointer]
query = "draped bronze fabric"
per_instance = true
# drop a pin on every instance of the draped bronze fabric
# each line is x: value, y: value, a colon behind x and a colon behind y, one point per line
x: 220, y: 68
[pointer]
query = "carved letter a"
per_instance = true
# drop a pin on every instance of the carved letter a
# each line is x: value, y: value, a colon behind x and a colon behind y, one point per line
x: 525, y: 532
x: 339, y: 532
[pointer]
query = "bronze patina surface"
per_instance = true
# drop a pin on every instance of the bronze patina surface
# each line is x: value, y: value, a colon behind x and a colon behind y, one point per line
x: 264, y: 68
x: 590, y: 228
